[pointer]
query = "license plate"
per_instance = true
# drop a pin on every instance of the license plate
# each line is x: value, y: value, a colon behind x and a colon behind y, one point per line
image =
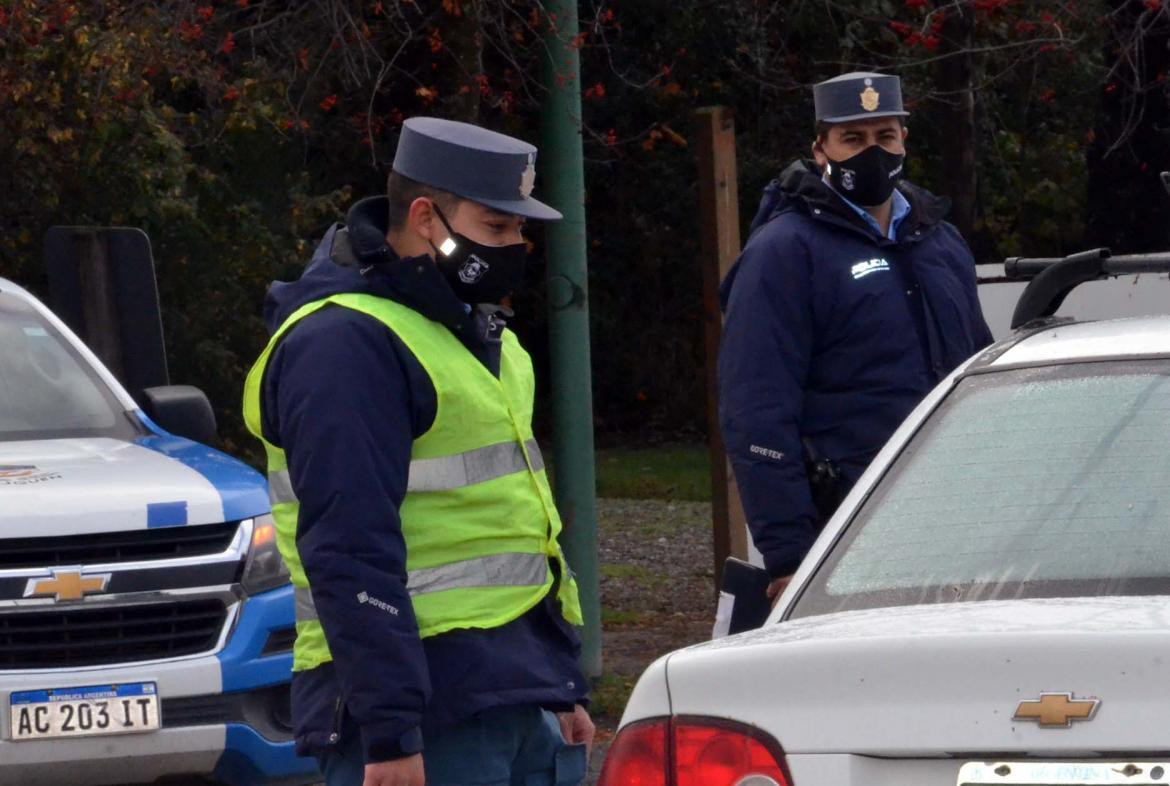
x: 84, y: 712
x: 1069, y: 773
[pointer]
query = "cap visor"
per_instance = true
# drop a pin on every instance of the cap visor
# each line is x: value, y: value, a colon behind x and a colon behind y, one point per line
x: 529, y: 208
x: 863, y: 116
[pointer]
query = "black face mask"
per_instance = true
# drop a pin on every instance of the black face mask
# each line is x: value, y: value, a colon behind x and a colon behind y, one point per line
x: 868, y: 178
x: 479, y: 273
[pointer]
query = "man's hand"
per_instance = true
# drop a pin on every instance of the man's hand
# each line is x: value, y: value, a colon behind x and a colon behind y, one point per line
x: 399, y: 772
x: 577, y: 727
x: 776, y: 588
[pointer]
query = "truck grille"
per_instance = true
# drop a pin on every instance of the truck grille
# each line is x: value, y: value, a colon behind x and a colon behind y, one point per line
x: 129, y: 546
x: 99, y: 635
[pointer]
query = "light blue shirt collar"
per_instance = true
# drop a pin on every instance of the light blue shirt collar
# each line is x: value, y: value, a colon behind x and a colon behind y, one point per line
x: 900, y: 209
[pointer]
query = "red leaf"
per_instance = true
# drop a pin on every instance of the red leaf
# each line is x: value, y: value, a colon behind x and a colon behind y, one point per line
x: 205, y: 12
x: 328, y: 102
x: 229, y: 44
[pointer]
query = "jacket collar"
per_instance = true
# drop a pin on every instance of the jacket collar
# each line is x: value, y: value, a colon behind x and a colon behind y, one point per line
x: 801, y: 187
x: 414, y: 282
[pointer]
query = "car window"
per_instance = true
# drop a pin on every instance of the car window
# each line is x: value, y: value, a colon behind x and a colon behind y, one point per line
x: 1041, y: 482
x: 46, y: 389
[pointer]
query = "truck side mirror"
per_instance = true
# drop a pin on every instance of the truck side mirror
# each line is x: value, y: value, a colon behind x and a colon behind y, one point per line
x: 182, y: 410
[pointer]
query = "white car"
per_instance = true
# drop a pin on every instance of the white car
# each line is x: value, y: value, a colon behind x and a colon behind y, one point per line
x: 989, y: 605
x: 146, y: 620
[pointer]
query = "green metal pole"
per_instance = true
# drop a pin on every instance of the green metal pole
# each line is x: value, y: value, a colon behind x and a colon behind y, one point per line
x: 562, y: 164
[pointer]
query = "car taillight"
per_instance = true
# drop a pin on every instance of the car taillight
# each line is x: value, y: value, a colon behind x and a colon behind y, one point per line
x: 637, y: 756
x: 701, y: 752
x: 721, y: 753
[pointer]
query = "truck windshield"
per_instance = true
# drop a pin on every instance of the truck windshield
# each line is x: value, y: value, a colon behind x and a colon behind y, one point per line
x: 1027, y: 483
x: 47, y: 390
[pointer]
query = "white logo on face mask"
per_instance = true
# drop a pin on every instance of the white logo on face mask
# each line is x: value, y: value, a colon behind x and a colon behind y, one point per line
x: 847, y: 179
x: 896, y: 172
x: 474, y: 269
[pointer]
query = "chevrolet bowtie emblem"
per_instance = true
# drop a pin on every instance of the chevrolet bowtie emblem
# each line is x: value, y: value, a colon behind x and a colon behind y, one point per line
x: 1056, y: 710
x: 67, y: 585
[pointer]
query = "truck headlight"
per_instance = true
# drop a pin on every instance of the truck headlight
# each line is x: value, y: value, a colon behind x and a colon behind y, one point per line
x: 264, y: 568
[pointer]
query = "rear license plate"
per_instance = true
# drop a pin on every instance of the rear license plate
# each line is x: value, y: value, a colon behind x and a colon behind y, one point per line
x: 1069, y: 773
x: 84, y: 712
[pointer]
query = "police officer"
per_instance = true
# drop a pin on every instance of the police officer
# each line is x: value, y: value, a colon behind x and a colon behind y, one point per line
x: 434, y: 606
x: 852, y: 299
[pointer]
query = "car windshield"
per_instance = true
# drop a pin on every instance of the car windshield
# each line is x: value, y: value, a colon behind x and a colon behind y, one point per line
x: 47, y: 390
x: 1026, y: 483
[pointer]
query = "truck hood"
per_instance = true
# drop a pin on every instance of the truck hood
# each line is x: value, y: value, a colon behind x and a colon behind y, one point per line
x: 78, y: 486
x: 940, y: 680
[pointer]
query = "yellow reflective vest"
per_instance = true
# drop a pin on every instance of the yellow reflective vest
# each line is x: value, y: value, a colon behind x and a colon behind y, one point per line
x: 478, y: 519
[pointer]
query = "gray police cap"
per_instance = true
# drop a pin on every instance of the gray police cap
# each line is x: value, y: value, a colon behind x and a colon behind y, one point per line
x: 473, y: 163
x: 858, y: 96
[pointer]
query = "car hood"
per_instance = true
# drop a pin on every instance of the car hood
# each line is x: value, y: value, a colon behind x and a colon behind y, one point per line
x: 78, y: 486
x: 942, y: 679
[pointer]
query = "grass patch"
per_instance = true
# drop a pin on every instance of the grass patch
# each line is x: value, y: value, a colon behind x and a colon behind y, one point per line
x: 610, y: 693
x: 619, y: 571
x: 681, y: 472
x: 636, y: 574
x: 613, y: 618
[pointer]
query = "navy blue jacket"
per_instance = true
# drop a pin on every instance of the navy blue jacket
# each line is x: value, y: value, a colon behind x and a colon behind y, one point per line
x: 345, y: 398
x: 832, y: 334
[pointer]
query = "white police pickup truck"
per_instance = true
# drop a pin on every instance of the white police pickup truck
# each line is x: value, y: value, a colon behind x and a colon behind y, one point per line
x: 146, y: 620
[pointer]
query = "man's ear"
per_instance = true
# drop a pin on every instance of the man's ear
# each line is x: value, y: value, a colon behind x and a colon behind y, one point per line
x: 905, y: 132
x: 818, y: 152
x: 422, y: 221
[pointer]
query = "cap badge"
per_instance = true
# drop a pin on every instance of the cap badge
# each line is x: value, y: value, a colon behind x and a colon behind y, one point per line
x: 870, y: 99
x: 528, y: 177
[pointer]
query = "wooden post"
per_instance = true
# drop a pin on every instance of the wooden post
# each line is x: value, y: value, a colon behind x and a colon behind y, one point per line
x: 719, y: 225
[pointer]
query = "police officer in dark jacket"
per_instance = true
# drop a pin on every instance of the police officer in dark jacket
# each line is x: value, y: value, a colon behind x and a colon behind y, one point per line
x: 851, y: 300
x: 434, y: 607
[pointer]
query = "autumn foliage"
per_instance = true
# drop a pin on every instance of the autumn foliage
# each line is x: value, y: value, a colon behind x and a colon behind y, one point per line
x: 235, y: 131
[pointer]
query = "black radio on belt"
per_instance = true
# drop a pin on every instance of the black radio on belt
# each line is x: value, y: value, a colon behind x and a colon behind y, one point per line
x: 824, y: 481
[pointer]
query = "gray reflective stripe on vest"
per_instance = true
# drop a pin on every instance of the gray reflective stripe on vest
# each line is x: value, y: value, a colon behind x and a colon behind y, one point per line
x: 280, y: 487
x: 306, y: 610
x: 474, y: 466
x: 497, y: 570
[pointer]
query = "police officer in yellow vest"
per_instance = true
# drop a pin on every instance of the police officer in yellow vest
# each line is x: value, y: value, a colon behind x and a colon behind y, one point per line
x: 434, y: 606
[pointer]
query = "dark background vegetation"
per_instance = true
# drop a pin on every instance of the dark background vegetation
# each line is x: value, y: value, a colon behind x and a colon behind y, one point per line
x: 235, y: 131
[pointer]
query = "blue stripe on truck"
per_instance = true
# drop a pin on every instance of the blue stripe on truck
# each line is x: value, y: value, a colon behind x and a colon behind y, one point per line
x: 166, y: 514
x: 243, y: 490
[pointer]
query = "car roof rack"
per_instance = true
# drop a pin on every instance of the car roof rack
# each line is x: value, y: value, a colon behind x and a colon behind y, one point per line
x: 1052, y: 278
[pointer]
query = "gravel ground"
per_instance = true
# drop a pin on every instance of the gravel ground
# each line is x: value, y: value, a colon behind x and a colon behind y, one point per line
x: 656, y: 594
